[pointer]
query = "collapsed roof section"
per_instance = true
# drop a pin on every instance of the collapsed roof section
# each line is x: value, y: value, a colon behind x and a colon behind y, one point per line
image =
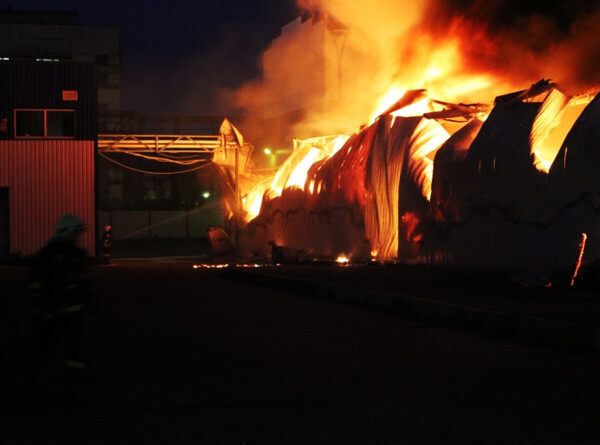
x: 365, y: 177
x: 403, y: 173
x: 574, y: 172
x: 501, y: 163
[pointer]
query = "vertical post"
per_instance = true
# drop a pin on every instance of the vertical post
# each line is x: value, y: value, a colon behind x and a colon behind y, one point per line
x: 187, y: 220
x: 237, y: 199
x: 149, y: 217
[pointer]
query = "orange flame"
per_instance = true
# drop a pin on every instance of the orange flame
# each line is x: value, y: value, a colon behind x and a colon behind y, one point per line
x: 366, y: 71
x: 342, y: 259
x: 293, y: 172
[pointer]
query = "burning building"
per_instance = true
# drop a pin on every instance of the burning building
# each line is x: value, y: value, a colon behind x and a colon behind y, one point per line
x: 506, y: 182
x: 405, y: 187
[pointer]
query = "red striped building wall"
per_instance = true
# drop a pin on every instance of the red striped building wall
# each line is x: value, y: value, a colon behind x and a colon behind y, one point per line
x: 47, y: 179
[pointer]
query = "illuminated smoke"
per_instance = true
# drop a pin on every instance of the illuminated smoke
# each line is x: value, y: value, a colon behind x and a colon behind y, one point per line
x: 461, y: 51
x: 526, y: 40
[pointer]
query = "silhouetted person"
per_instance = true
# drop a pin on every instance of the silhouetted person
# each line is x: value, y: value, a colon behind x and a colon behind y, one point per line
x: 59, y: 287
x: 107, y: 241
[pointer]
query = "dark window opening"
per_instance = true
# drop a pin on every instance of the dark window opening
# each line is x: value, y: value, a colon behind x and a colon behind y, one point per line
x: 44, y: 123
x: 60, y: 124
x: 29, y: 123
x: 102, y: 59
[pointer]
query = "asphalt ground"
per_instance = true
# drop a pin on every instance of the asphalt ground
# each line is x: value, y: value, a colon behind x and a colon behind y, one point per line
x: 184, y: 355
x: 493, y: 301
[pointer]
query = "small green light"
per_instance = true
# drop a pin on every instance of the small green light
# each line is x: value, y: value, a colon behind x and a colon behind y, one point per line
x: 206, y: 195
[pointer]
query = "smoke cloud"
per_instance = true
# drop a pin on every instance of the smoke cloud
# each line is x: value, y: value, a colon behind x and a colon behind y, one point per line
x: 519, y: 42
x: 555, y: 39
x: 459, y: 50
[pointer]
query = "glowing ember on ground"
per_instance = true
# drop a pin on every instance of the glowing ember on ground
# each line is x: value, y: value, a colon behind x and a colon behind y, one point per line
x: 251, y: 266
x: 342, y: 259
x: 578, y: 265
x: 210, y: 266
x: 226, y: 265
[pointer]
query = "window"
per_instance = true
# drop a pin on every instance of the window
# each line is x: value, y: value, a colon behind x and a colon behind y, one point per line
x: 102, y: 59
x: 45, y: 123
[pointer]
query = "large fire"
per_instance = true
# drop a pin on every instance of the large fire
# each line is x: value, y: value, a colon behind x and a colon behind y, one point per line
x: 425, y: 140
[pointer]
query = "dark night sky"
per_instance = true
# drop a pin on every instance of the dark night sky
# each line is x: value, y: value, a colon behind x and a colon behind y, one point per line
x: 178, y: 54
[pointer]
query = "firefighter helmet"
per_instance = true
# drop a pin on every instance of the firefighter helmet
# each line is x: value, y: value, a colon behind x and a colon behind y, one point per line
x: 69, y: 226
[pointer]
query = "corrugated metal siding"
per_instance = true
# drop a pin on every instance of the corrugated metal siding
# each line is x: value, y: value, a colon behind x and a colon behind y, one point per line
x: 40, y: 85
x: 47, y: 179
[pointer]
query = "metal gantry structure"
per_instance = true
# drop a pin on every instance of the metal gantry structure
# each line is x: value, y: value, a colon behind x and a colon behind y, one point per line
x: 159, y: 143
x: 190, y: 151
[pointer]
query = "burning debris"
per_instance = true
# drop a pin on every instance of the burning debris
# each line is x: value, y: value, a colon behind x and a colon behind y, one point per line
x: 220, y: 242
x: 286, y: 255
x: 579, y: 258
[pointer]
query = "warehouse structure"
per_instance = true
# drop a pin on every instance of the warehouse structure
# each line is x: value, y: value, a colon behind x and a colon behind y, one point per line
x: 48, y: 131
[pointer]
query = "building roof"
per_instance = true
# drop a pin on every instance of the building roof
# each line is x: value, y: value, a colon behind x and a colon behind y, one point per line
x: 38, y: 17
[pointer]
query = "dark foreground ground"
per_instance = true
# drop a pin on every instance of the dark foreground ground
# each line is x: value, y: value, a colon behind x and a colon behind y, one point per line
x: 184, y: 355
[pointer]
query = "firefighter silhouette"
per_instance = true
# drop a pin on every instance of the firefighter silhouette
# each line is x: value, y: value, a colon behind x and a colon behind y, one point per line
x: 107, y: 241
x: 59, y: 286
